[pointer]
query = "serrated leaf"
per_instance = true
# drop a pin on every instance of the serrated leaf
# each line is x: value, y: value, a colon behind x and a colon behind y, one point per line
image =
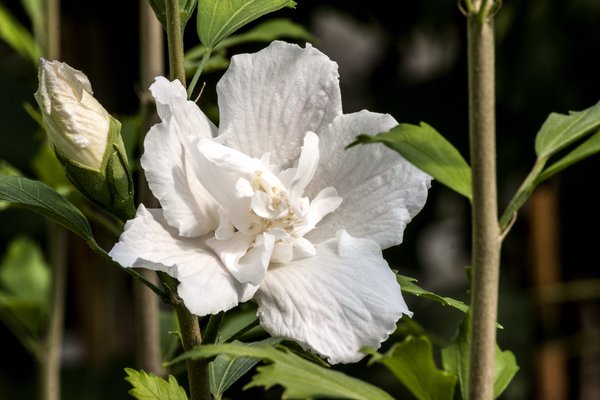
x: 217, y: 19
x: 424, y: 147
x: 44, y: 200
x: 412, y: 363
x: 456, y: 359
x: 19, y: 38
x: 559, y: 130
x: 151, y: 387
x: 408, y: 285
x: 299, y: 377
x: 589, y: 147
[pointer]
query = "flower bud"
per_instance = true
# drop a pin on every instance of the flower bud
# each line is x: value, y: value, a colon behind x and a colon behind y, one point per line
x: 85, y: 138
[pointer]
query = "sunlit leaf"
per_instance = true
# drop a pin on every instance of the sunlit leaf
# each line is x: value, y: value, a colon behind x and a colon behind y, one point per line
x: 588, y: 147
x: 268, y: 31
x: 559, y: 130
x: 151, y: 387
x: 300, y: 378
x: 455, y: 358
x: 408, y: 285
x: 44, y: 200
x: 19, y: 38
x: 217, y: 19
x: 411, y: 361
x: 424, y: 147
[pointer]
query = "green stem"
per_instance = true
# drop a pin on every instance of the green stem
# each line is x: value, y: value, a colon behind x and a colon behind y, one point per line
x: 485, y: 229
x: 175, y: 41
x: 205, y: 57
x: 211, y: 333
x: 50, y: 350
x: 523, y: 193
x: 51, y: 47
x: 188, y: 323
x: 190, y: 338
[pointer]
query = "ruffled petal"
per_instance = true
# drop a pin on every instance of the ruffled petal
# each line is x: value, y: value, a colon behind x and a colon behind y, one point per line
x: 381, y: 191
x: 169, y: 161
x: 269, y: 100
x: 149, y: 242
x: 344, y: 298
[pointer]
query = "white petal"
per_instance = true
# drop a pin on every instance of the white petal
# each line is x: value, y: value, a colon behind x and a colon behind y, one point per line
x: 245, y: 256
x: 149, y: 242
x: 169, y: 161
x: 222, y: 169
x: 381, y: 191
x: 307, y: 166
x: 326, y: 202
x: 269, y: 100
x: 344, y: 298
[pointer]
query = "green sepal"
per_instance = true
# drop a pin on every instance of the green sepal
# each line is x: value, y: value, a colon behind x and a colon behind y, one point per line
x: 111, y: 187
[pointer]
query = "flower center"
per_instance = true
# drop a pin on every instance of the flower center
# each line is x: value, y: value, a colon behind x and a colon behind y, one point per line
x: 265, y: 218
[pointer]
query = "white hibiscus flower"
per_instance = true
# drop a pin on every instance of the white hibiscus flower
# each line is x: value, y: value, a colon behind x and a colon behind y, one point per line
x: 270, y: 207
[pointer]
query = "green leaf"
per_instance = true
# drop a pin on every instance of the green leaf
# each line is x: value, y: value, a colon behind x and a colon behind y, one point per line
x: 408, y: 285
x: 424, y: 147
x: 44, y: 200
x: 559, y: 130
x: 268, y: 31
x: 217, y: 19
x: 50, y: 171
x: 299, y: 377
x: 23, y: 272
x: 588, y: 147
x: 412, y: 363
x: 455, y: 359
x: 225, y: 369
x: 151, y: 387
x: 186, y: 9
x: 19, y: 38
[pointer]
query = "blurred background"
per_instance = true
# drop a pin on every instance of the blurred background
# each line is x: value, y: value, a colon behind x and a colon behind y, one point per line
x: 408, y: 60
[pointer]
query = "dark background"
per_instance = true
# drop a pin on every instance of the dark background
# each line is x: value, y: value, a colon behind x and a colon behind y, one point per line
x: 409, y: 62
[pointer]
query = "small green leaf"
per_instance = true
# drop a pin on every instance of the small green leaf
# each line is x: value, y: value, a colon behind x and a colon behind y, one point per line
x: 44, y: 200
x: 299, y: 377
x: 588, y: 147
x: 412, y: 363
x: 559, y: 130
x: 408, y: 285
x: 19, y: 38
x: 217, y: 19
x: 151, y: 387
x: 455, y: 359
x: 424, y: 147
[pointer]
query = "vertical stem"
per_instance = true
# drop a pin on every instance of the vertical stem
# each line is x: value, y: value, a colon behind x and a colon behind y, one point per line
x: 51, y: 47
x: 175, y: 41
x: 188, y: 323
x: 197, y: 369
x: 145, y: 302
x: 49, y: 357
x: 485, y: 230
